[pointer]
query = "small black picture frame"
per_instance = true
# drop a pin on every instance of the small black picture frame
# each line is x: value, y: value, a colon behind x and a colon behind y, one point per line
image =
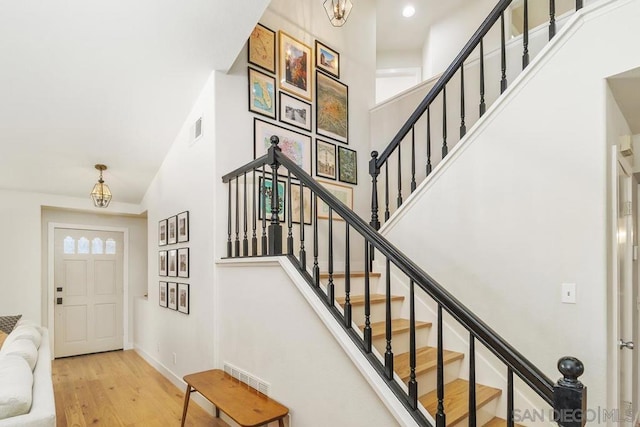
x: 294, y: 111
x: 183, y: 262
x: 172, y: 295
x: 183, y: 227
x: 162, y: 232
x: 162, y: 263
x: 172, y: 263
x: 266, y: 186
x: 162, y: 294
x: 183, y: 298
x: 326, y: 159
x: 347, y: 165
x: 262, y: 93
x: 261, y: 49
x: 172, y: 230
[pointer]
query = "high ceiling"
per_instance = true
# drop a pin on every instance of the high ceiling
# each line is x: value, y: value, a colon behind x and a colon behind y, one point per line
x: 86, y: 81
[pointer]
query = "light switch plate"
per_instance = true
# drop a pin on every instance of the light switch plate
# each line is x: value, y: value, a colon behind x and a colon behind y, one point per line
x: 568, y: 293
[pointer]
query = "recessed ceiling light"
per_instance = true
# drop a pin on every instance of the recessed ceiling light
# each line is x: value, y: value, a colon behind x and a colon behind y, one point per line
x: 408, y: 11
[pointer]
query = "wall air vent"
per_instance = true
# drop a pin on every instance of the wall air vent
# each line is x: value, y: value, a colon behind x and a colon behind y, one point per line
x: 247, y: 378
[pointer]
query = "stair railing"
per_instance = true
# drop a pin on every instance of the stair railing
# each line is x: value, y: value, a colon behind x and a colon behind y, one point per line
x: 429, y: 106
x: 261, y: 208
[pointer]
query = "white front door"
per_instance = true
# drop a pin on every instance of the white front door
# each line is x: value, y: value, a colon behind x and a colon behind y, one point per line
x: 626, y: 295
x: 88, y: 293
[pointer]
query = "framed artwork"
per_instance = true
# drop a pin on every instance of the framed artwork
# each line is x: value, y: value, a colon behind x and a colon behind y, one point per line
x: 294, y: 145
x: 266, y: 192
x: 183, y: 262
x: 295, y: 112
x: 172, y: 231
x: 162, y: 296
x: 341, y: 192
x: 327, y: 60
x: 262, y: 93
x: 295, y: 66
x: 172, y: 263
x: 332, y: 108
x: 183, y: 298
x: 306, y: 204
x: 325, y: 159
x: 162, y: 232
x: 262, y: 48
x: 162, y: 263
x: 347, y: 165
x: 172, y: 294
x: 183, y: 227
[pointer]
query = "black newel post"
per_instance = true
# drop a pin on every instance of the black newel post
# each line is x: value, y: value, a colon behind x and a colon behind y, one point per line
x: 275, y: 229
x: 569, y: 394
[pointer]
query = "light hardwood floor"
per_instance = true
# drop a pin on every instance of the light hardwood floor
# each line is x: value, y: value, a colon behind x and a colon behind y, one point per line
x: 119, y: 389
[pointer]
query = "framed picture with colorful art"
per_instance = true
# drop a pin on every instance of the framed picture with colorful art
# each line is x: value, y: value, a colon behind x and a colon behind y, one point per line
x: 262, y: 48
x: 183, y: 298
x: 265, y: 191
x: 332, y: 108
x: 325, y: 159
x: 294, y: 145
x: 327, y: 59
x: 295, y: 112
x: 341, y: 192
x: 262, y: 93
x: 295, y: 62
x: 347, y: 165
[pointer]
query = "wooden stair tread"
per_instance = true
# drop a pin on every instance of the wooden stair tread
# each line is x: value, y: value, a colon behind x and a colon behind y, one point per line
x: 341, y: 275
x: 499, y: 422
x: 378, y: 329
x: 456, y: 399
x: 426, y: 360
x: 358, y: 300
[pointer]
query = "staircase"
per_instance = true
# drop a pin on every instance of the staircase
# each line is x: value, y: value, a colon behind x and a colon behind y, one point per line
x: 456, y: 405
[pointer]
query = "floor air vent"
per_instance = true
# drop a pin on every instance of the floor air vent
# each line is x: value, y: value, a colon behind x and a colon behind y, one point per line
x: 247, y: 378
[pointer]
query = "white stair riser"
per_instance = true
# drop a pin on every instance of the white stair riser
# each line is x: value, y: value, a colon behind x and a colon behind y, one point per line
x: 400, y: 341
x: 428, y: 381
x: 356, y: 285
x: 378, y: 312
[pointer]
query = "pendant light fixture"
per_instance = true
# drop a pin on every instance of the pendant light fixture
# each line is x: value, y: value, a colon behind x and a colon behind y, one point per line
x: 338, y: 11
x: 101, y: 195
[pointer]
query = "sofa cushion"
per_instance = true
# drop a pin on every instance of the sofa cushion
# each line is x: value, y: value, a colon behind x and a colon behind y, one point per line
x: 16, y: 382
x: 7, y: 323
x: 24, y: 348
x: 25, y: 332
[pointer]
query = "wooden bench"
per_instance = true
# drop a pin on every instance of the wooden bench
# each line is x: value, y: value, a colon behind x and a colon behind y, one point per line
x: 242, y: 403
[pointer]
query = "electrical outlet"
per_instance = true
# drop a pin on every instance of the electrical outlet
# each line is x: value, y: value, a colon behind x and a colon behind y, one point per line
x: 174, y: 359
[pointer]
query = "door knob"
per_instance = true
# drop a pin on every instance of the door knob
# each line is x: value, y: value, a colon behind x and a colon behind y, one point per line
x: 628, y: 344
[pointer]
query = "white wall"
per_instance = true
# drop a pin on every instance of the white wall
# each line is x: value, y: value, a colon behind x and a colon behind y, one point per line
x: 137, y: 228
x: 183, y: 183
x: 530, y: 207
x: 21, y: 290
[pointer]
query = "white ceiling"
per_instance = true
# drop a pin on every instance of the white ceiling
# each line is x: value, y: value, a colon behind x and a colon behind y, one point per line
x: 395, y: 32
x: 88, y: 81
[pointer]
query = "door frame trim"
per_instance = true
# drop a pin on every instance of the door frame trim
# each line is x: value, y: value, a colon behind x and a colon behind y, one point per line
x: 52, y: 226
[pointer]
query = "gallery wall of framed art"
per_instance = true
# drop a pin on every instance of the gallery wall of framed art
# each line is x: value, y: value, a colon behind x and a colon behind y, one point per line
x: 173, y: 262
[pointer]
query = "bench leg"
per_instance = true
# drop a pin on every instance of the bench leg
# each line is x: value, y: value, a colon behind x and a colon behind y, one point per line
x: 187, y: 395
x: 281, y: 422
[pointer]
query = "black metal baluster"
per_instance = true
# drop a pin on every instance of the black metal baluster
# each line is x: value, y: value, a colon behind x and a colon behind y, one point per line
x: 483, y: 106
x: 367, y: 300
x: 254, y: 237
x: 303, y: 252
x: 229, y: 245
x: 399, y: 200
x: 429, y: 167
x: 503, y: 56
x: 413, y: 384
x: 388, y: 355
x: 263, y: 206
x: 579, y: 4
x: 236, y: 243
x: 245, y: 240
x: 525, y: 36
x: 552, y: 18
x: 331, y: 293
x: 441, y: 417
x: 386, y: 191
x: 463, y: 126
x: 316, y: 267
x: 289, y: 217
x: 445, y: 149
x: 374, y: 171
x: 510, y: 421
x: 347, y: 279
x: 413, y: 159
x: 472, y: 381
